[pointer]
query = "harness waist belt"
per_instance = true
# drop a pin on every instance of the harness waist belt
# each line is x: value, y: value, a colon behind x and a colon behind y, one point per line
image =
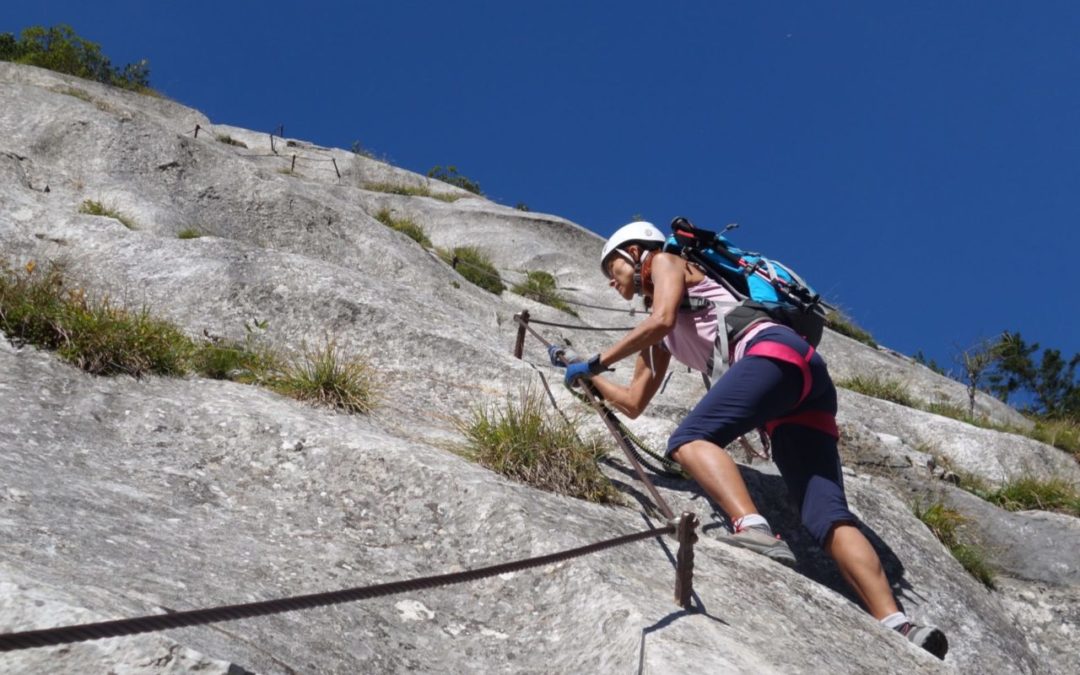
x: 782, y: 352
x: 820, y: 420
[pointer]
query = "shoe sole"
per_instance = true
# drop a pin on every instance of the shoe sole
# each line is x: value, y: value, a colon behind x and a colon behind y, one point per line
x: 937, y: 644
x: 772, y: 552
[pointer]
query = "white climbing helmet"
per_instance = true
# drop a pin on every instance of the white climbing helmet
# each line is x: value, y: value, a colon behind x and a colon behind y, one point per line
x: 637, y: 232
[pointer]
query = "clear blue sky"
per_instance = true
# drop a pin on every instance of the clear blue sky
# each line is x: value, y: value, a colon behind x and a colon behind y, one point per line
x: 918, y: 162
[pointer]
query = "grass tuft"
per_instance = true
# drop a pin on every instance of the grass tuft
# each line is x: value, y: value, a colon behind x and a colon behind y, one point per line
x: 80, y: 94
x: 951, y: 410
x: 475, y: 265
x: 1062, y: 434
x: 410, y: 191
x: 189, y: 233
x: 1021, y: 494
x: 1029, y: 492
x: 38, y: 308
x: 93, y: 208
x: 887, y: 389
x: 974, y: 561
x: 325, y: 376
x: 845, y: 325
x: 243, y: 362
x: 229, y: 140
x: 520, y: 441
x: 958, y: 412
x: 945, y: 522
x: 405, y: 226
x: 540, y: 286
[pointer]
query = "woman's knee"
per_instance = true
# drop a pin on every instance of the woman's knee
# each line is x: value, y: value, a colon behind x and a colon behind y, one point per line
x: 688, y: 451
x: 822, y: 522
x: 830, y: 534
x: 703, y: 457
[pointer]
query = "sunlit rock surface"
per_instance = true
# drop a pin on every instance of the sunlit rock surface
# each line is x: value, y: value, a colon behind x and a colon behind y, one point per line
x: 121, y: 497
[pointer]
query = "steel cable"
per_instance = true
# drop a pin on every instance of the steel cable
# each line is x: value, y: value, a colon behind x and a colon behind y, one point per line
x: 567, y: 325
x: 198, y: 617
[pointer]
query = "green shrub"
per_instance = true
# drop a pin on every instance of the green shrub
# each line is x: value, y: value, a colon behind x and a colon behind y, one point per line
x: 229, y: 140
x: 844, y: 325
x: 1028, y: 492
x: 475, y: 266
x: 540, y: 286
x: 946, y: 522
x: 59, y: 48
x: 324, y: 376
x: 9, y: 47
x: 887, y: 389
x: 37, y: 308
x: 520, y: 441
x: 405, y: 226
x: 409, y: 191
x: 521, y: 206
x: 450, y: 175
x: 189, y: 233
x: 94, y: 208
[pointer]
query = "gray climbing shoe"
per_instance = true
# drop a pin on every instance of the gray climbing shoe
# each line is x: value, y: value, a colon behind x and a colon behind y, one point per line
x: 769, y: 545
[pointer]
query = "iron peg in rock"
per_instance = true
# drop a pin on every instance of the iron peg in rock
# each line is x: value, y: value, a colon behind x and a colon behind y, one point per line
x: 685, y: 530
x: 522, y: 319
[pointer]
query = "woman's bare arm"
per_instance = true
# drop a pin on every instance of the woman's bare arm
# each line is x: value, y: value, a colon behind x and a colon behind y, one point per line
x: 648, y: 376
x: 669, y: 285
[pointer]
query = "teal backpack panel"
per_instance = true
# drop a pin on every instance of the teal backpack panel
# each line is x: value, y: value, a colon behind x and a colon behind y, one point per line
x: 770, y: 287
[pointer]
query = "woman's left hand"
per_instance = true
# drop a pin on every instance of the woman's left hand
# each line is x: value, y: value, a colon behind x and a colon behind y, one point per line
x: 576, y: 370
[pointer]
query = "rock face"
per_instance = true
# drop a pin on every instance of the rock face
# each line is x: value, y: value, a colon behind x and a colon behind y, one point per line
x: 121, y: 497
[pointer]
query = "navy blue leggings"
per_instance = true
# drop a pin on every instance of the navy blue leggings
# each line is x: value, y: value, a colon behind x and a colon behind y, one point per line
x: 758, y: 389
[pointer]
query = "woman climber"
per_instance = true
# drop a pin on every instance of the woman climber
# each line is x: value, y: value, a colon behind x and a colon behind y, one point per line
x: 773, y: 380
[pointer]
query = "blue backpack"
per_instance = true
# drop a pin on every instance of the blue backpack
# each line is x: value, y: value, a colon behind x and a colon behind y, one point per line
x: 765, y: 287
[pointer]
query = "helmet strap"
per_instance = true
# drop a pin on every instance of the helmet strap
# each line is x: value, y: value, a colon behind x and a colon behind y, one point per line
x: 638, y: 287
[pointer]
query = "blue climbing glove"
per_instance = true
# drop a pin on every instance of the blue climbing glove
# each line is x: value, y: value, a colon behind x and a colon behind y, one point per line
x: 575, y: 371
x: 585, y: 369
